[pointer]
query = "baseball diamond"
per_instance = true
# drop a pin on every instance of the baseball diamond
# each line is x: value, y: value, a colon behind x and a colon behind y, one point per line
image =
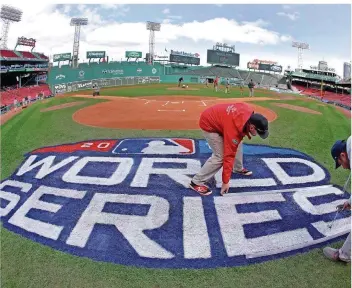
x: 169, y: 168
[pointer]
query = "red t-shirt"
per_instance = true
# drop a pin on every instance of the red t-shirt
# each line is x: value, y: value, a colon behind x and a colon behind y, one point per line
x: 228, y: 120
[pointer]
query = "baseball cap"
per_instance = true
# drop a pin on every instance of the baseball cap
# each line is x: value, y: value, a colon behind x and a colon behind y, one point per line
x: 261, y: 124
x: 338, y: 147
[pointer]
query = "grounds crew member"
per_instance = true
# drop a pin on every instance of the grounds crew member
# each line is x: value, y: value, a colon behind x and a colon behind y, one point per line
x: 341, y: 152
x: 224, y: 126
x: 179, y: 81
x: 241, y: 88
x: 251, y: 88
x: 216, y: 83
x: 227, y: 86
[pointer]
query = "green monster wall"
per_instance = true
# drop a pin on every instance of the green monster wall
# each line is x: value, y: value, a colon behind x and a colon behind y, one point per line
x: 66, y: 79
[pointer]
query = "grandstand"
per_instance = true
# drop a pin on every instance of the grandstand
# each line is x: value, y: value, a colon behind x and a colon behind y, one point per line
x: 323, y: 84
x: 262, y: 79
x: 21, y: 55
x: 9, y: 95
x: 23, y: 77
x: 328, y: 96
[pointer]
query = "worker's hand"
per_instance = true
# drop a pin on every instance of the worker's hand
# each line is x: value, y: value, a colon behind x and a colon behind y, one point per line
x: 225, y: 188
x: 344, y: 206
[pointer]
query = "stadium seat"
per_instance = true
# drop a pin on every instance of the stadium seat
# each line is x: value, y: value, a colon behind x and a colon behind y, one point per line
x: 330, y: 96
x: 27, y: 54
x: 8, y: 54
x: 7, y: 97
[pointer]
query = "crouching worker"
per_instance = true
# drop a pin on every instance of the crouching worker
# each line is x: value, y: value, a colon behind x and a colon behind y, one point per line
x: 224, y: 126
x: 341, y: 152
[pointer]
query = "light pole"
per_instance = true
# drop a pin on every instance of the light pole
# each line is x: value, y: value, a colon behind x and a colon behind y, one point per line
x: 152, y: 27
x: 8, y: 14
x: 300, y: 47
x: 77, y: 22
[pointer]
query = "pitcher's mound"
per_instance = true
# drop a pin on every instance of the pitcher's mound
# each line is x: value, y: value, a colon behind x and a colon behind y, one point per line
x: 182, y: 89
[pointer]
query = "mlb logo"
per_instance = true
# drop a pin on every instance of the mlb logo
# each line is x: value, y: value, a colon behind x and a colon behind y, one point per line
x: 163, y: 146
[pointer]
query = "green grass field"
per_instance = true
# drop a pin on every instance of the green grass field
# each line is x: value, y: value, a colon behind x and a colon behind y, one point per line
x: 25, y: 263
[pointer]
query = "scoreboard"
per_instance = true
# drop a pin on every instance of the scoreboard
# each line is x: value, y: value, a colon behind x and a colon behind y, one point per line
x: 184, y: 59
x: 222, y: 57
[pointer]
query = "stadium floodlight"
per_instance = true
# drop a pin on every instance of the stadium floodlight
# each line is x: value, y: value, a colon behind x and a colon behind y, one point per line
x: 152, y: 27
x: 77, y: 22
x: 8, y: 14
x: 300, y: 47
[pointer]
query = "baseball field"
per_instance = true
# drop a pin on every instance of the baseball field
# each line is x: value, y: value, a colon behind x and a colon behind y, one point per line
x: 65, y: 226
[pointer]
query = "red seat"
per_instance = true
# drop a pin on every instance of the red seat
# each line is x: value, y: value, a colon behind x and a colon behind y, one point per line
x: 27, y: 54
x: 8, y: 97
x: 330, y: 96
x: 8, y: 54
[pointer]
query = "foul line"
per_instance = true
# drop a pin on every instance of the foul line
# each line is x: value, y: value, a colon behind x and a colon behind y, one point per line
x: 148, y: 101
x: 166, y: 103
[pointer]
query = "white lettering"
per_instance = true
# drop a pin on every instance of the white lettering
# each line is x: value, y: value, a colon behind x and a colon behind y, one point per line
x: 337, y: 226
x: 11, y: 197
x: 131, y: 226
x: 46, y: 165
x: 179, y: 175
x: 87, y: 145
x: 302, y: 195
x: 231, y: 225
x: 121, y: 172
x: 103, y: 145
x: 195, y: 234
x: 284, y: 178
x: 33, y: 202
x: 262, y: 182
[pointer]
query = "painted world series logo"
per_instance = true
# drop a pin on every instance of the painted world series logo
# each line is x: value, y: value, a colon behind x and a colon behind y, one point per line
x: 127, y: 201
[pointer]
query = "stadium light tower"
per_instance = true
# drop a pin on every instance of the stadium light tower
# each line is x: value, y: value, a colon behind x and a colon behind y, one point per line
x: 300, y: 47
x: 8, y: 14
x: 77, y: 22
x: 152, y: 27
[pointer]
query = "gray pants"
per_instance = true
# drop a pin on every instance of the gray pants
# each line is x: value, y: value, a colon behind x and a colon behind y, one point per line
x: 345, y: 250
x: 215, y: 162
x: 251, y: 92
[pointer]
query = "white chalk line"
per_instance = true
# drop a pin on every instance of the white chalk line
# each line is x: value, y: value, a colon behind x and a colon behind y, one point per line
x: 148, y: 101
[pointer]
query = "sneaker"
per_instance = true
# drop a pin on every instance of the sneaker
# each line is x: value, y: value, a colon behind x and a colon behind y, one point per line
x: 201, y: 189
x: 244, y: 171
x: 333, y: 254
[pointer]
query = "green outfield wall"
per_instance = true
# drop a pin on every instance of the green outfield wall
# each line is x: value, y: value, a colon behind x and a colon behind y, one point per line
x: 65, y: 79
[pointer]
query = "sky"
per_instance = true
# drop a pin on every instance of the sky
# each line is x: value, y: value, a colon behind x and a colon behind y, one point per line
x: 258, y: 31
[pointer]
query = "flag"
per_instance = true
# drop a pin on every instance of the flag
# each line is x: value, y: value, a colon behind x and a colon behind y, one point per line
x: 165, y: 49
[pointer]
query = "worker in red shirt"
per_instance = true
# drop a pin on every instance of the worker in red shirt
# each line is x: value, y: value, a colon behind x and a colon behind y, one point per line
x: 224, y: 126
x: 216, y: 83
